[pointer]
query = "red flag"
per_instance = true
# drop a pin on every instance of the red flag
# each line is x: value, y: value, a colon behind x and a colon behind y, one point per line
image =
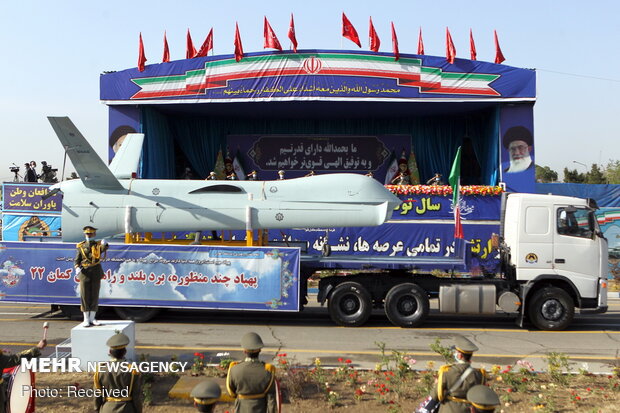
x: 141, y: 56
x: 420, y: 43
x: 450, y: 49
x: 373, y: 38
x: 349, y: 32
x: 458, y: 226
x: 238, y: 45
x: 291, y: 34
x: 166, y: 57
x: 271, y: 40
x: 472, y: 46
x: 395, y: 43
x: 499, y: 56
x: 206, y: 45
x: 191, y: 50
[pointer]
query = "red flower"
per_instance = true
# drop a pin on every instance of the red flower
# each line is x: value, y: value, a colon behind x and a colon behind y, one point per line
x: 340, y: 359
x: 348, y: 361
x: 282, y: 355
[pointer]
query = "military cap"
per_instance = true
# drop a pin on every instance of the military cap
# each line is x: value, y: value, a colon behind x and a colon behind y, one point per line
x: 251, y: 341
x: 483, y: 398
x: 206, y: 392
x: 117, y: 341
x: 280, y: 172
x: 465, y: 346
x: 88, y: 229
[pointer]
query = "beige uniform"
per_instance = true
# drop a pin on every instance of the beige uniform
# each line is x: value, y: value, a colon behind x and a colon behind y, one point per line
x: 455, y: 401
x: 88, y: 258
x: 252, y: 382
x: 109, y: 380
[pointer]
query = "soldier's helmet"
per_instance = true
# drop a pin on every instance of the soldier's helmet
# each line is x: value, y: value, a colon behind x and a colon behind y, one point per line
x: 117, y: 341
x: 465, y: 346
x: 483, y: 398
x: 251, y: 341
x: 206, y: 392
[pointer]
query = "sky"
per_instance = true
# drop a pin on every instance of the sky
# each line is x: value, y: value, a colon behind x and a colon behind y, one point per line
x: 54, y: 52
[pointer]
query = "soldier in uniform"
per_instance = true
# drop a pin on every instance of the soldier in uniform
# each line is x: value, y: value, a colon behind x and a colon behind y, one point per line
x: 206, y: 395
x: 88, y: 268
x: 252, y: 176
x: 126, y: 383
x: 8, y: 361
x: 252, y: 382
x: 211, y: 177
x: 482, y: 399
x: 456, y: 379
x: 280, y: 175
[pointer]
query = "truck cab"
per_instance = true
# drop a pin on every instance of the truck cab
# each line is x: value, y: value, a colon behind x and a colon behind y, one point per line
x: 556, y: 253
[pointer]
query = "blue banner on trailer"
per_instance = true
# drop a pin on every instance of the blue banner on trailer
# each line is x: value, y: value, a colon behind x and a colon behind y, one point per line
x: 249, y: 278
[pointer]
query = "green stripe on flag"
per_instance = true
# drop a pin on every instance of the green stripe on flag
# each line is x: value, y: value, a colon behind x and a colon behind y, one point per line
x: 455, y: 174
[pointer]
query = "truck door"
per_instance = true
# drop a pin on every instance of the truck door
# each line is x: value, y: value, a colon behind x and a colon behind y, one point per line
x: 576, y: 249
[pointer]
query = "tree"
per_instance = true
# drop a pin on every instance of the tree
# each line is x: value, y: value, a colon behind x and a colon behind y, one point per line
x: 545, y: 174
x: 574, y: 177
x: 612, y: 172
x: 595, y: 176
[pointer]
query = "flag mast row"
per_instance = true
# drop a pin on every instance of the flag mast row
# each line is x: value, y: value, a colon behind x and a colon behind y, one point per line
x: 348, y: 32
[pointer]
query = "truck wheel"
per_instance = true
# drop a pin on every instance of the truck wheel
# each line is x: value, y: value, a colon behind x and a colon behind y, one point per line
x: 551, y: 308
x: 406, y: 305
x: 350, y: 304
x: 72, y: 312
x: 137, y: 314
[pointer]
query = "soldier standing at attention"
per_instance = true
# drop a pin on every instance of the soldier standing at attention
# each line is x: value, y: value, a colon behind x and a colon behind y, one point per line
x: 482, y: 399
x: 252, y: 382
x: 126, y: 383
x: 88, y: 268
x: 455, y: 380
x: 206, y: 395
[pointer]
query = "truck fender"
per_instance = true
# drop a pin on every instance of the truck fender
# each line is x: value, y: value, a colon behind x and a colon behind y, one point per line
x: 324, y: 293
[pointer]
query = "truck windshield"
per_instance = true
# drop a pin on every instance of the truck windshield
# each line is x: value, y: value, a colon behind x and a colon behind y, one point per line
x: 576, y: 222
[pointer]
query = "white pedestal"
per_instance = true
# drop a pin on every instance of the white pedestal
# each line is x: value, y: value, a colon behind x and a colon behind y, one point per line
x: 89, y: 343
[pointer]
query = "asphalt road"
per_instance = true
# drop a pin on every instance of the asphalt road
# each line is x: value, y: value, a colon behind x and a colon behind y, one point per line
x: 592, y: 339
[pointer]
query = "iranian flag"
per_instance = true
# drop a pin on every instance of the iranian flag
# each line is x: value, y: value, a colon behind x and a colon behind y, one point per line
x: 238, y: 167
x: 455, y: 183
x: 392, y: 169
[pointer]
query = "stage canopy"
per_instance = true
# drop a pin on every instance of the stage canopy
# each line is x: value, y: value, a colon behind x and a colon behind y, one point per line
x: 327, y: 111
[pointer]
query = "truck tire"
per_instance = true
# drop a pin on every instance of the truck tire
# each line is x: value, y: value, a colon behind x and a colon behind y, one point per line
x: 137, y: 314
x: 551, y: 308
x: 406, y: 305
x: 350, y: 304
x: 72, y: 312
